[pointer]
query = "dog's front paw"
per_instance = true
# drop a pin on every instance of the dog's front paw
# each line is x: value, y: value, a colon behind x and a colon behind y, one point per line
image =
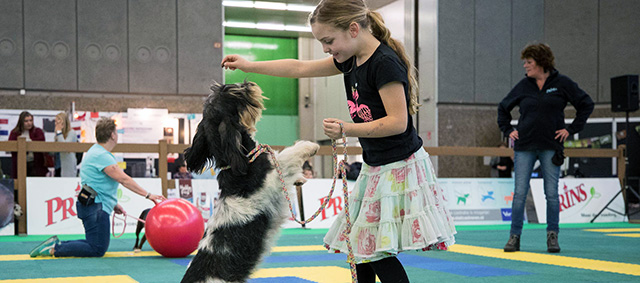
x: 309, y: 148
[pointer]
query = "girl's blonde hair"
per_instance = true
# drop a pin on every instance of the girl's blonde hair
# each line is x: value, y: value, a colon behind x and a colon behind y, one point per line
x: 341, y: 13
x: 65, y: 121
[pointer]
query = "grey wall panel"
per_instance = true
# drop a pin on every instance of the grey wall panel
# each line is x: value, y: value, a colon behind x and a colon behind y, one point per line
x: 455, y: 51
x: 50, y: 44
x: 527, y: 26
x: 200, y: 36
x: 152, y: 46
x: 571, y: 29
x: 619, y: 42
x: 11, y: 47
x: 492, y: 50
x: 102, y: 45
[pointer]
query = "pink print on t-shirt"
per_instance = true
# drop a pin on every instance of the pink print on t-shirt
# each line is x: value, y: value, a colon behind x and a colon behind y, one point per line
x: 361, y: 110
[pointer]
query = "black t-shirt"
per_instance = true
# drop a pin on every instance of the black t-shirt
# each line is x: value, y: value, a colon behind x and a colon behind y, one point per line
x: 365, y: 104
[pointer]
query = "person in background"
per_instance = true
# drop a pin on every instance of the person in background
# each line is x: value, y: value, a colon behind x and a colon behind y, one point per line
x: 501, y: 165
x: 99, y: 172
x: 541, y: 97
x: 66, y: 162
x: 35, y: 160
x: 307, y: 170
x: 182, y: 172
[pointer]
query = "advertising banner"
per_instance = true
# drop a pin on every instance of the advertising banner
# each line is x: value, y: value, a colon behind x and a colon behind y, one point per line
x: 581, y: 199
x: 52, y: 205
x: 478, y: 200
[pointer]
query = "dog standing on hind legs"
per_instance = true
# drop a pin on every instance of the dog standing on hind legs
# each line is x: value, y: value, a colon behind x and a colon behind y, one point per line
x: 252, y: 206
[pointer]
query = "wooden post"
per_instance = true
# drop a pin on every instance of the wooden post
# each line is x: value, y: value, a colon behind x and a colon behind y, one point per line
x: 162, y: 165
x: 21, y: 183
x: 300, y: 204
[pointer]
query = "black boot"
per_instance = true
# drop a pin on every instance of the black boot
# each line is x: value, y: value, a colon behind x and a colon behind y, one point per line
x: 552, y: 242
x: 513, y: 244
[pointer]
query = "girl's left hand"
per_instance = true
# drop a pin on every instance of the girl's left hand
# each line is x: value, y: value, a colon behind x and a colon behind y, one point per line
x: 562, y: 134
x: 332, y: 128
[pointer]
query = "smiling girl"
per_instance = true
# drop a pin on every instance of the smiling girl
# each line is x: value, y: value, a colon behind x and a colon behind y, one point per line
x: 396, y: 203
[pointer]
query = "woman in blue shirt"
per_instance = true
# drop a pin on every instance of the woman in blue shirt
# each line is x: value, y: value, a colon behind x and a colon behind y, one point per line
x: 100, y: 171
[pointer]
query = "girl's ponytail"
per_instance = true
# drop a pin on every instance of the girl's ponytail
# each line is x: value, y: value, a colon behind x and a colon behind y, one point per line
x: 381, y: 32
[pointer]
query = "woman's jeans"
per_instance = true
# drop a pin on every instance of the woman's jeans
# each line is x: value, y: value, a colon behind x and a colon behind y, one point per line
x: 523, y: 166
x: 96, y: 228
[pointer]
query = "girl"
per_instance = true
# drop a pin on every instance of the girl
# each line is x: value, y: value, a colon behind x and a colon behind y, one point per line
x: 66, y: 162
x: 396, y: 204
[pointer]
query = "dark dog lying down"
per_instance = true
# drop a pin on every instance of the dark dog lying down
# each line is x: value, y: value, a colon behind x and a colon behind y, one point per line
x: 252, y: 206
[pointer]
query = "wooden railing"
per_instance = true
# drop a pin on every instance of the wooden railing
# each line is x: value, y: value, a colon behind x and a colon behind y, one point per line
x: 21, y: 146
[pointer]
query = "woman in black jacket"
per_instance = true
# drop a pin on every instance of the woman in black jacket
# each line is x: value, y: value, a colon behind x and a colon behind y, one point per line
x: 541, y: 96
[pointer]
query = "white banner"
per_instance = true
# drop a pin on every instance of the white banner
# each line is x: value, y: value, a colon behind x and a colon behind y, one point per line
x: 478, y: 200
x: 314, y: 191
x: 581, y: 199
x: 52, y: 209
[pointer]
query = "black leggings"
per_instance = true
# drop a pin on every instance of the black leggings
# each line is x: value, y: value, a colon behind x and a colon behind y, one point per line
x: 388, y: 270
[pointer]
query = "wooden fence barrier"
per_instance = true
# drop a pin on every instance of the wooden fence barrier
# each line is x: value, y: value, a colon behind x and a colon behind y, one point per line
x: 21, y: 146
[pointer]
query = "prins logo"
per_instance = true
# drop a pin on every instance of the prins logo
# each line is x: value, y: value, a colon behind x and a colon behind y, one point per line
x: 572, y: 197
x: 59, y: 209
x: 335, y: 203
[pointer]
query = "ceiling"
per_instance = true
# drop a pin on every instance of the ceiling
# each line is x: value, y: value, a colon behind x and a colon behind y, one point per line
x: 252, y: 15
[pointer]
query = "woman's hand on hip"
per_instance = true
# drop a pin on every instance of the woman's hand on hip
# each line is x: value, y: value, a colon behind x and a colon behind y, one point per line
x: 562, y: 134
x: 514, y: 135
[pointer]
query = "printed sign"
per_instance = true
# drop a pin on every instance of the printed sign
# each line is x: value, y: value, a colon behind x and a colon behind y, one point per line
x: 478, y: 200
x: 52, y: 205
x: 581, y: 199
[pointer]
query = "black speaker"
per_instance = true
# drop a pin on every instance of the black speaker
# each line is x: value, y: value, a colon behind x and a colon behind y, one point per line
x: 624, y: 93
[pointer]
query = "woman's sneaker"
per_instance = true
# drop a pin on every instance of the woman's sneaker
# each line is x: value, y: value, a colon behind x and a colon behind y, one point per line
x: 44, y: 248
x: 513, y: 244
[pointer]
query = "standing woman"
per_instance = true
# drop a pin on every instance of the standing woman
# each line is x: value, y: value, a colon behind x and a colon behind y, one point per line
x: 396, y: 204
x: 66, y: 162
x: 35, y: 160
x: 542, y: 97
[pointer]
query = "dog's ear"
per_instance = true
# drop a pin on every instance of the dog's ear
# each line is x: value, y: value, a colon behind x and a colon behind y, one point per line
x: 231, y: 142
x: 197, y: 155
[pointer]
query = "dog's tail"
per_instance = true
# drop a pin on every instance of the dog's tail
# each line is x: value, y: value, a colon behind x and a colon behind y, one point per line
x: 197, y: 155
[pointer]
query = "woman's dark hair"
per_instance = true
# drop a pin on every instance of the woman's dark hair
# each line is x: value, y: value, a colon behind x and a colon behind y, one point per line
x: 19, y: 128
x: 541, y: 53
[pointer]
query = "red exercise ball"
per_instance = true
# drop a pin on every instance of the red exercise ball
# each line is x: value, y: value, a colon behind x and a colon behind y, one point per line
x: 174, y: 228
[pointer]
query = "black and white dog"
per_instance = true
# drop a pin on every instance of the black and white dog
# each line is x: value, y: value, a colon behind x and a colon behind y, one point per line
x: 252, y: 206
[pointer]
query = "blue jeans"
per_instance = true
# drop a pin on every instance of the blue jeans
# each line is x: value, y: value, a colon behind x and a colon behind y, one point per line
x: 96, y: 228
x: 523, y: 166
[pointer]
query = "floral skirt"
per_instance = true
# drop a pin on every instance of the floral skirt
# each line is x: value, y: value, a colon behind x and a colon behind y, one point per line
x: 393, y: 208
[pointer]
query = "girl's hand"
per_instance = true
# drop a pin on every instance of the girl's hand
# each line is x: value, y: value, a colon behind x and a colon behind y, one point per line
x: 514, y: 135
x: 58, y: 125
x: 562, y: 134
x: 233, y: 62
x: 332, y: 128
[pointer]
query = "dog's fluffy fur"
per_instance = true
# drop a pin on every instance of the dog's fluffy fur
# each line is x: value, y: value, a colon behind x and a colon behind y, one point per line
x: 252, y: 206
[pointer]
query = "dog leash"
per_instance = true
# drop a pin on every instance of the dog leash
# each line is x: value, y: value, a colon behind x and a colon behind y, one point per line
x: 113, y: 223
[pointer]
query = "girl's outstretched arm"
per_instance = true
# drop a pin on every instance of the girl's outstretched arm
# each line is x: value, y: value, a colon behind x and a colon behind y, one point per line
x: 394, y: 123
x: 288, y: 68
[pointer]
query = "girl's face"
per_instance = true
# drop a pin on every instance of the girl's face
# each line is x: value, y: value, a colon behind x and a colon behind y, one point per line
x: 532, y: 68
x: 28, y: 123
x: 336, y: 42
